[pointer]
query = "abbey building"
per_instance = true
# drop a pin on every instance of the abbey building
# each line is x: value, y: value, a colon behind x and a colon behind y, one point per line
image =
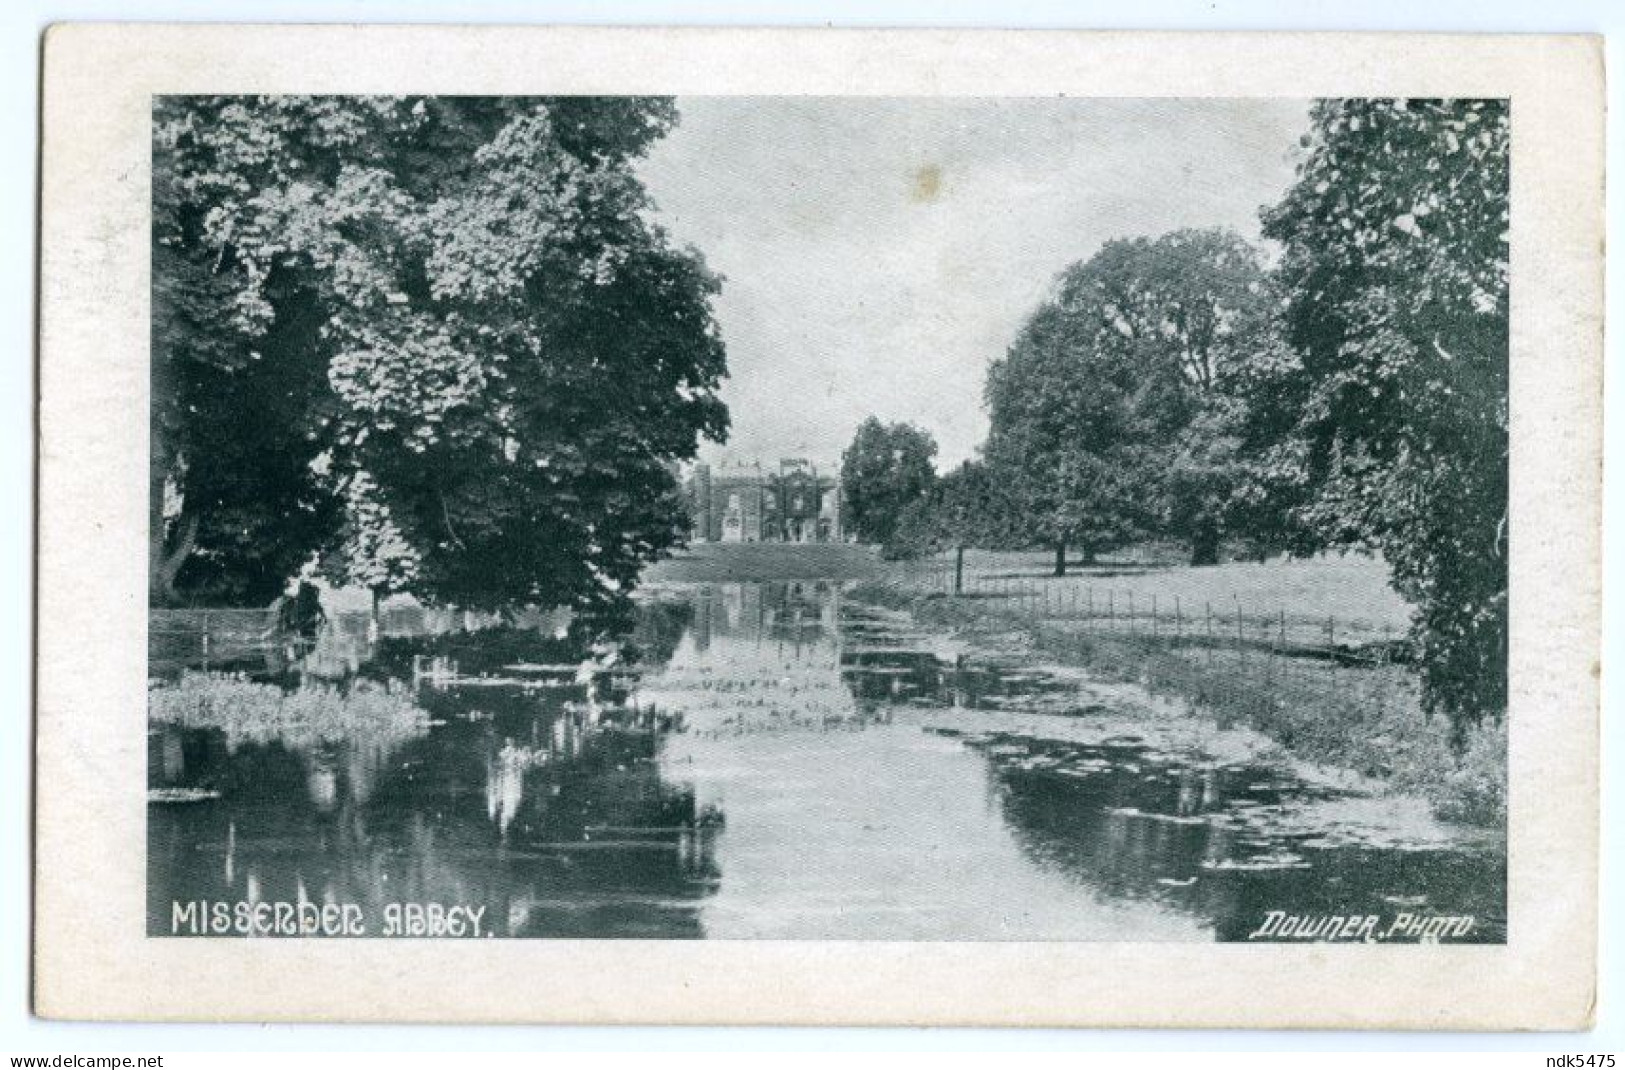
x: 748, y: 503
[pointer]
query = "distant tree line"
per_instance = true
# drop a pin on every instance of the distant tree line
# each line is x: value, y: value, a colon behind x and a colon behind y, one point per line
x: 419, y: 343
x: 1353, y: 394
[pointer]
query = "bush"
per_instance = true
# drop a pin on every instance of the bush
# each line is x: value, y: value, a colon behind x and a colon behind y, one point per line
x: 255, y: 712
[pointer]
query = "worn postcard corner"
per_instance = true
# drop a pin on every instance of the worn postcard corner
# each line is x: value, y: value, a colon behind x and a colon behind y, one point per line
x: 875, y: 527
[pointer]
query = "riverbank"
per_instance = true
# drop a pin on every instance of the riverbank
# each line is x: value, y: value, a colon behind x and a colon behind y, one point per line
x: 780, y: 762
x: 1332, y: 706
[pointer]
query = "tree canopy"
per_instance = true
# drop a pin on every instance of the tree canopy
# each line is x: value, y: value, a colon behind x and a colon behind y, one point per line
x: 886, y: 467
x: 1110, y: 417
x: 1354, y: 395
x: 966, y: 507
x: 1395, y: 267
x: 434, y: 342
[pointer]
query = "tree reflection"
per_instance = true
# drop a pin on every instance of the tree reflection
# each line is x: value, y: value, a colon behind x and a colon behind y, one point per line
x: 539, y: 799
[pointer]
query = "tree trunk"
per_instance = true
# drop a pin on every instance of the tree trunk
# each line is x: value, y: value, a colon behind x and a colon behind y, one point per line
x: 165, y: 565
x: 1060, y: 559
x: 1205, y: 545
x: 1088, y: 551
x: 165, y: 556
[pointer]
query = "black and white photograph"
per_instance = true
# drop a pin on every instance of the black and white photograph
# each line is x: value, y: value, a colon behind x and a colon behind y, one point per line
x: 829, y: 518
x: 801, y: 527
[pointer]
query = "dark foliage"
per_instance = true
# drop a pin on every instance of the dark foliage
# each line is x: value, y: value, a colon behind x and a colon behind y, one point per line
x: 885, y: 469
x: 1396, y: 270
x: 433, y: 342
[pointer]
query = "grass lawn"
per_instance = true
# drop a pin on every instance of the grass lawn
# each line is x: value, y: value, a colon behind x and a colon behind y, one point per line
x: 1351, y: 591
x: 1266, y: 666
x: 722, y: 562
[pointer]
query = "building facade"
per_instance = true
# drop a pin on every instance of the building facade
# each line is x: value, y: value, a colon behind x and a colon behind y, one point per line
x: 749, y: 503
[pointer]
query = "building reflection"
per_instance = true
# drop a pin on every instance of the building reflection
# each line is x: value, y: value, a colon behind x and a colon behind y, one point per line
x: 760, y: 657
x: 562, y: 803
x: 805, y: 613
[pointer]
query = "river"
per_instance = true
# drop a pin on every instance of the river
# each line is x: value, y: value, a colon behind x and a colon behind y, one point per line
x: 779, y: 761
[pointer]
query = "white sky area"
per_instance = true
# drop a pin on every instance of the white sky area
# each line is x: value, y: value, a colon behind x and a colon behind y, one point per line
x: 879, y: 253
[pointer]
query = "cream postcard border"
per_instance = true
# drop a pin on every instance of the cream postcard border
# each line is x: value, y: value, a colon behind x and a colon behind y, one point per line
x: 92, y: 958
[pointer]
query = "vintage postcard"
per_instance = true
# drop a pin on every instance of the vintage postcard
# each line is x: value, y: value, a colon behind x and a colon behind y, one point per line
x: 819, y: 527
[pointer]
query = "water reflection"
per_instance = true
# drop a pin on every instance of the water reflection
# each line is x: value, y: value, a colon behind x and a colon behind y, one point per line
x: 1231, y: 843
x: 768, y: 760
x: 538, y: 799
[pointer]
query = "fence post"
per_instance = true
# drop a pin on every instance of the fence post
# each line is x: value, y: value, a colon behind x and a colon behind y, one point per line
x: 1280, y: 643
x: 1384, y: 697
x: 1209, y: 608
x: 1331, y: 644
x: 1241, y: 636
x: 959, y: 569
x: 1179, y: 622
x: 1271, y: 653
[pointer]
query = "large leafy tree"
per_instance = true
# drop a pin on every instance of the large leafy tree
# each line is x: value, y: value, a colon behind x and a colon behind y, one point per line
x: 1395, y: 266
x: 967, y: 507
x: 1064, y: 452
x: 234, y: 505
x: 1111, y: 417
x: 462, y: 357
x: 885, y: 469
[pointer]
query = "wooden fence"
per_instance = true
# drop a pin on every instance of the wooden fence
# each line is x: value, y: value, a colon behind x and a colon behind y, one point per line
x: 208, y: 638
x: 250, y: 639
x: 1075, y: 604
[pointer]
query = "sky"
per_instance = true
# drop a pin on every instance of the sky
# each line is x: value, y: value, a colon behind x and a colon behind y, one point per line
x: 879, y: 253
